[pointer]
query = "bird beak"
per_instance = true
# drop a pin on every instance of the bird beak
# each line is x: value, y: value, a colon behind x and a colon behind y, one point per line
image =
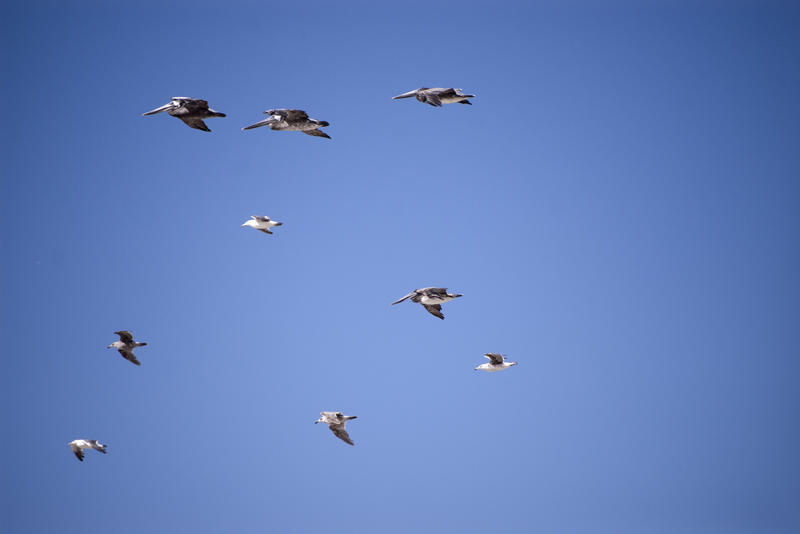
x: 108, y: 347
x: 405, y: 95
x: 165, y: 107
x: 259, y: 124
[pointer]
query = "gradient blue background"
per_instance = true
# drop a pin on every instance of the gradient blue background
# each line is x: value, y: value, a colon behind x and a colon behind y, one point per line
x: 619, y: 208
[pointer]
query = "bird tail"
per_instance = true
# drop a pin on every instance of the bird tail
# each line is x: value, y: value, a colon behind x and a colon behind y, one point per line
x: 323, y: 123
x: 216, y: 113
x: 141, y: 343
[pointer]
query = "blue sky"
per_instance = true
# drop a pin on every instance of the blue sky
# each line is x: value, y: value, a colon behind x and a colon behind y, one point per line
x: 619, y: 208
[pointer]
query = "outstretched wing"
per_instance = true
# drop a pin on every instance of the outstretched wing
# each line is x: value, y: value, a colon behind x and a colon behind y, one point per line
x: 266, y: 231
x: 435, y: 310
x: 341, y: 433
x: 128, y: 355
x: 124, y: 336
x: 494, y: 358
x: 317, y: 133
x: 78, y: 452
x: 197, y: 124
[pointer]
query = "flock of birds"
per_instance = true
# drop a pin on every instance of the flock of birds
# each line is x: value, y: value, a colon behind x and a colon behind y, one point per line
x: 192, y: 111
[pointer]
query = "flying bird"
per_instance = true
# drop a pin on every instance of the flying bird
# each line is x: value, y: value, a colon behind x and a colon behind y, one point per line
x: 497, y: 362
x: 79, y: 444
x: 336, y: 422
x: 293, y: 120
x: 431, y: 299
x: 191, y: 111
x: 437, y: 96
x: 262, y: 223
x: 125, y: 346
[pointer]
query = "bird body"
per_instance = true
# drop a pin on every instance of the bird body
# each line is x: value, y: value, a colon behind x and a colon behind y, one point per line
x: 436, y: 96
x: 191, y: 111
x: 431, y: 299
x: 262, y: 223
x: 125, y: 346
x: 497, y: 362
x: 292, y: 120
x: 336, y: 421
x: 78, y: 445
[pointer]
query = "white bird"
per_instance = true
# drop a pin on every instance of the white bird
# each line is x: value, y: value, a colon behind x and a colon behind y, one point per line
x: 79, y: 444
x: 125, y: 346
x: 262, y: 223
x: 497, y: 362
x: 431, y: 299
x: 336, y: 422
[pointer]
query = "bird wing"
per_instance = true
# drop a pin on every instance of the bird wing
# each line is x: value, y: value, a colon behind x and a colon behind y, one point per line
x: 317, y: 133
x: 494, y: 358
x: 432, y: 99
x: 404, y: 298
x: 128, y: 355
x: 195, y: 104
x: 78, y: 452
x: 341, y: 433
x: 124, y: 336
x: 197, y: 124
x: 435, y: 310
x: 436, y: 291
x: 289, y: 115
x: 447, y: 92
x: 260, y: 218
x: 295, y: 115
x: 265, y: 230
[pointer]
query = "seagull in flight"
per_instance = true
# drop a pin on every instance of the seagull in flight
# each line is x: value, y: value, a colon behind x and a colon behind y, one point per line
x: 497, y: 362
x: 431, y: 299
x: 78, y: 445
x: 336, y: 422
x: 125, y: 346
x: 262, y: 223
x: 191, y: 111
x: 437, y: 96
x: 293, y: 120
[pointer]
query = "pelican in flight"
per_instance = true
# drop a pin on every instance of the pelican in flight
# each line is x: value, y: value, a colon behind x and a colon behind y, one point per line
x: 262, y: 223
x: 437, y: 96
x: 336, y: 422
x: 78, y: 445
x: 125, y: 346
x: 293, y: 120
x: 191, y: 111
x: 497, y: 362
x: 431, y: 299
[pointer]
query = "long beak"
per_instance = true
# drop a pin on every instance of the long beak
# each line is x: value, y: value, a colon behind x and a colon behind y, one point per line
x: 259, y: 124
x: 165, y: 107
x: 402, y: 299
x: 405, y: 95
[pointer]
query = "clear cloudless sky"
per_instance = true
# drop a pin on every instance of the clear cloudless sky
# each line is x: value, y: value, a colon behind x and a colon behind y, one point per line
x: 619, y: 208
